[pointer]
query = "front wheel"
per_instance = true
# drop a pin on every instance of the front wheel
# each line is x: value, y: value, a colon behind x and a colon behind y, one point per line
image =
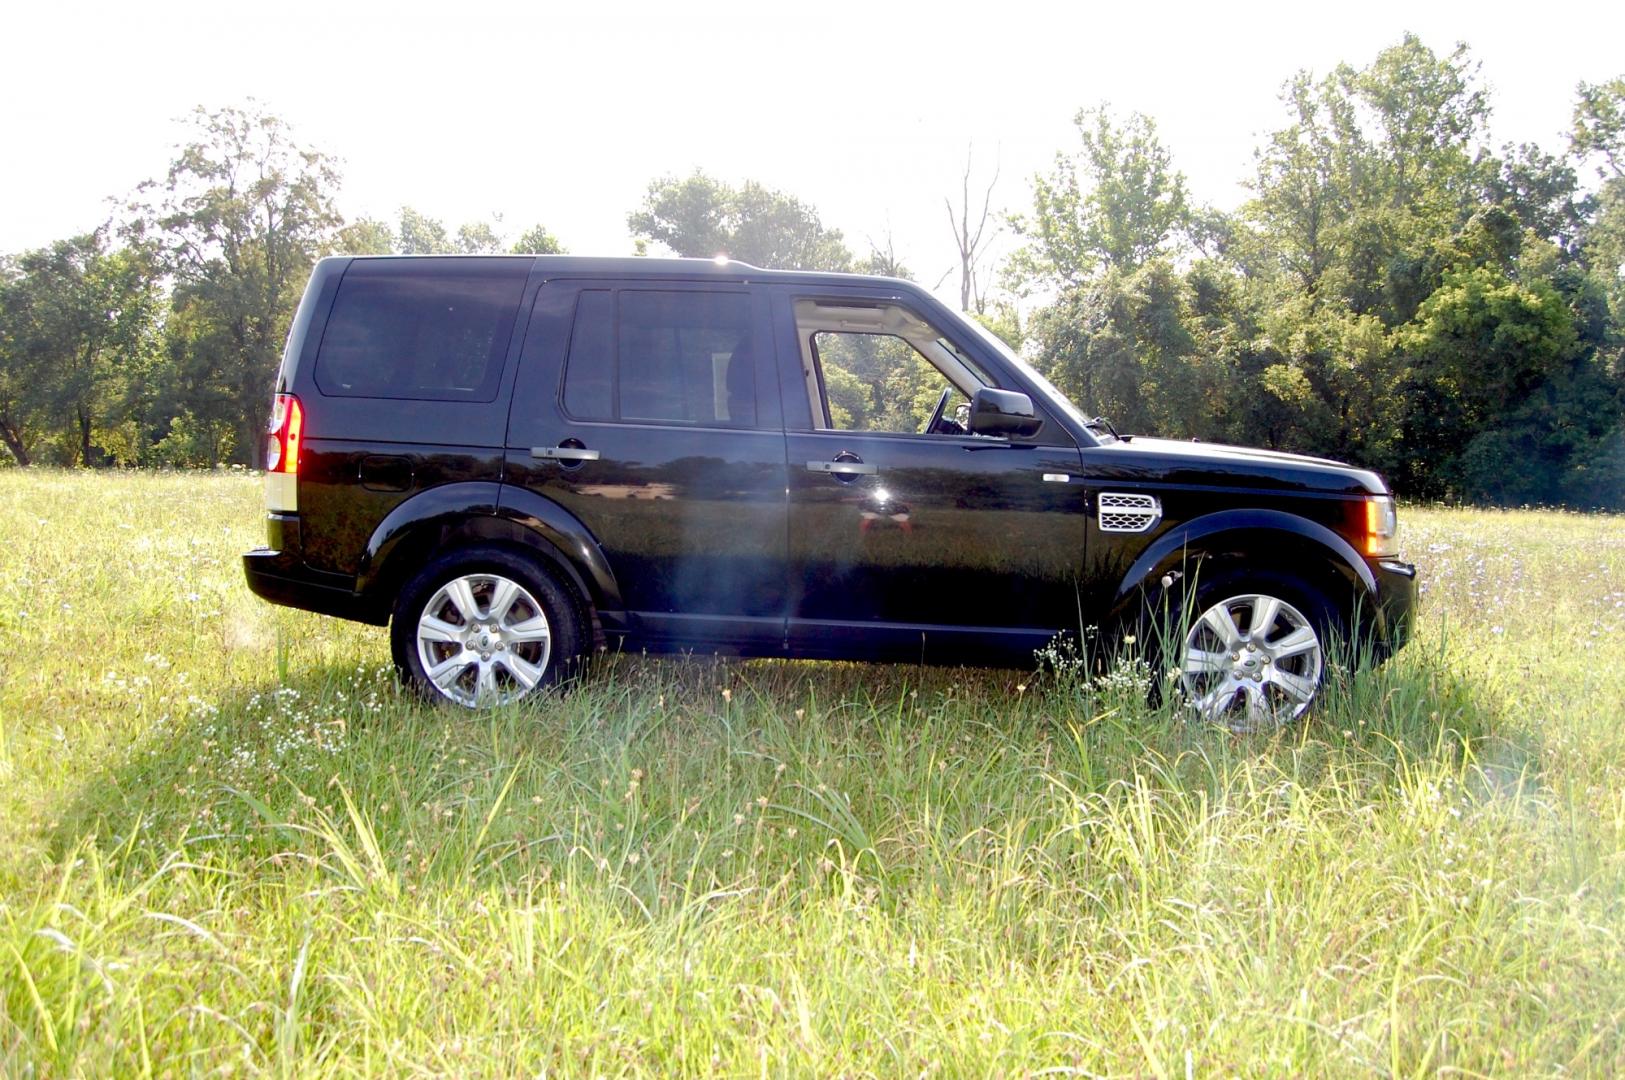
x: 484, y: 627
x: 1254, y: 656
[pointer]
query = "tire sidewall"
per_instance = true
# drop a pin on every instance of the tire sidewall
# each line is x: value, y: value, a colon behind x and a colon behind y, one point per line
x: 558, y: 600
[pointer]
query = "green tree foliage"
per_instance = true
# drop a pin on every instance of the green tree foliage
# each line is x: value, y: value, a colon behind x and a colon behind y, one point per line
x: 1599, y: 123
x: 1375, y: 171
x: 419, y: 234
x: 1599, y: 136
x: 1506, y: 402
x: 1393, y: 293
x: 1120, y: 345
x: 1003, y: 320
x: 1111, y: 207
x: 77, y: 324
x: 477, y: 238
x: 536, y: 240
x: 877, y: 382
x: 237, y: 224
x: 365, y: 236
x: 884, y: 263
x: 702, y: 217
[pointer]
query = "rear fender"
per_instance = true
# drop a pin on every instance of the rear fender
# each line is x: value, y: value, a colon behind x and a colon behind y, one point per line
x: 454, y: 515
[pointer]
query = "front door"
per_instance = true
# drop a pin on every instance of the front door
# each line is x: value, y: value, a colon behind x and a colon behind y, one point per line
x: 924, y: 541
x: 650, y: 413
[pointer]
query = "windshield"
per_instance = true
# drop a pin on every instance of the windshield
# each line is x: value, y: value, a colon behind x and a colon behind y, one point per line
x: 1051, y: 395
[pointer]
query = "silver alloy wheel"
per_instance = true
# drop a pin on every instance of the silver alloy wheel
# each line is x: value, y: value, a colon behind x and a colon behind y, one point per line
x: 1251, y: 662
x: 483, y: 640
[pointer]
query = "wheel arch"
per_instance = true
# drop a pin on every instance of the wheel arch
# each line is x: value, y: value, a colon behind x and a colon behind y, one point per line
x: 466, y: 514
x: 1235, y: 539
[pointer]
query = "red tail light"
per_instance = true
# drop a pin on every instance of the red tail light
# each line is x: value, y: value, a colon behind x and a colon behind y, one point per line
x: 287, y: 428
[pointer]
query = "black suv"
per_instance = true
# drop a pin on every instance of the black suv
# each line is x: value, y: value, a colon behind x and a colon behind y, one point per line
x: 511, y: 460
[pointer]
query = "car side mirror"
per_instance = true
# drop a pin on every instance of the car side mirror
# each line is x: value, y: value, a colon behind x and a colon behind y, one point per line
x: 1005, y: 413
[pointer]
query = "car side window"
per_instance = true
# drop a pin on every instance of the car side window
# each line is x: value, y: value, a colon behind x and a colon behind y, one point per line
x: 399, y: 330
x: 681, y: 357
x: 878, y: 382
x: 879, y: 367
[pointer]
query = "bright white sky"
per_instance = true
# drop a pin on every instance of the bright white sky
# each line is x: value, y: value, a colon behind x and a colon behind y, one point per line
x: 864, y: 110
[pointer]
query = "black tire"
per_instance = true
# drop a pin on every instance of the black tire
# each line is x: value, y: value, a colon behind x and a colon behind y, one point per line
x: 1265, y: 677
x: 493, y: 654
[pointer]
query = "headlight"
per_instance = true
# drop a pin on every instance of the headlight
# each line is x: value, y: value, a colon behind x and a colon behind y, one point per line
x: 1381, y: 526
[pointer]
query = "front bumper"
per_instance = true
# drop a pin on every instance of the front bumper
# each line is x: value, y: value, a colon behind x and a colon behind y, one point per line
x: 1396, y: 604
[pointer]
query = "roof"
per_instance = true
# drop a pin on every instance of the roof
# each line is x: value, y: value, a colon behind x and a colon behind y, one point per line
x: 648, y: 267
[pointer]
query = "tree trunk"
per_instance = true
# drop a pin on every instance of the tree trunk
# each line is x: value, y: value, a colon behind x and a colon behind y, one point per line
x: 250, y: 441
x: 14, y: 443
x: 84, y: 437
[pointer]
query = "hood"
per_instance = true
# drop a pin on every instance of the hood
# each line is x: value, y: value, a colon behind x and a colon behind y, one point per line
x: 1240, y: 466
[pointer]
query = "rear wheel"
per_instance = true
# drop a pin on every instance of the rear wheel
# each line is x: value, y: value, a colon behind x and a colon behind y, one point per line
x: 1253, y: 656
x: 483, y: 627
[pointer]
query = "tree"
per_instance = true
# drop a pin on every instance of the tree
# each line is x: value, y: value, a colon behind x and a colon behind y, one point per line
x: 1377, y: 170
x: 1119, y: 345
x: 701, y: 217
x: 1116, y: 204
x: 1481, y: 347
x: 883, y: 261
x: 365, y: 236
x: 1541, y: 192
x: 1599, y: 125
x: 79, y: 324
x: 1599, y: 133
x: 419, y: 234
x: 19, y: 402
x: 971, y: 240
x: 237, y: 223
x: 537, y: 241
x: 476, y: 238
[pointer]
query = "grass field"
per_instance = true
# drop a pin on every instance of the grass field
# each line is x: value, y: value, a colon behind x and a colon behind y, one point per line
x: 228, y: 845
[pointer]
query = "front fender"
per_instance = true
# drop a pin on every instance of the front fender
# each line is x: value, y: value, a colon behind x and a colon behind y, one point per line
x: 1243, y: 533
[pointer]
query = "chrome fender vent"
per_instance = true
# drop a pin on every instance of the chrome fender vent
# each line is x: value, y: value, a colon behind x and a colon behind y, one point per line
x: 1128, y: 513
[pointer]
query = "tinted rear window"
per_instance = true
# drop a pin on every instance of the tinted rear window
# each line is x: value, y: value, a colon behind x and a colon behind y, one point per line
x: 683, y: 357
x: 421, y: 330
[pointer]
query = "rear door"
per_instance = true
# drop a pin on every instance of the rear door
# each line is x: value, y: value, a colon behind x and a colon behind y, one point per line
x: 650, y: 411
x: 906, y: 543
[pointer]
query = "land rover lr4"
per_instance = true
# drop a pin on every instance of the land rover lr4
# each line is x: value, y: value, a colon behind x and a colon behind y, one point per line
x: 513, y: 460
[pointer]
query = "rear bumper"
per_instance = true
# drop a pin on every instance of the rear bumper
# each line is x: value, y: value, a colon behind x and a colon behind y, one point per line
x: 1396, y: 604
x: 278, y: 574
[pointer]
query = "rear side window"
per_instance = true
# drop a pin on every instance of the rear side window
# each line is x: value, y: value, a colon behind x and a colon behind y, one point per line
x: 678, y: 357
x: 435, y: 331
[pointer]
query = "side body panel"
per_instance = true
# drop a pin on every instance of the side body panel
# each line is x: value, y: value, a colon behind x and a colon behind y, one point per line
x: 690, y: 519
x: 925, y: 547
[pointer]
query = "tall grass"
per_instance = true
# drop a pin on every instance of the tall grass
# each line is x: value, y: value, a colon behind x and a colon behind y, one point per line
x: 228, y: 844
